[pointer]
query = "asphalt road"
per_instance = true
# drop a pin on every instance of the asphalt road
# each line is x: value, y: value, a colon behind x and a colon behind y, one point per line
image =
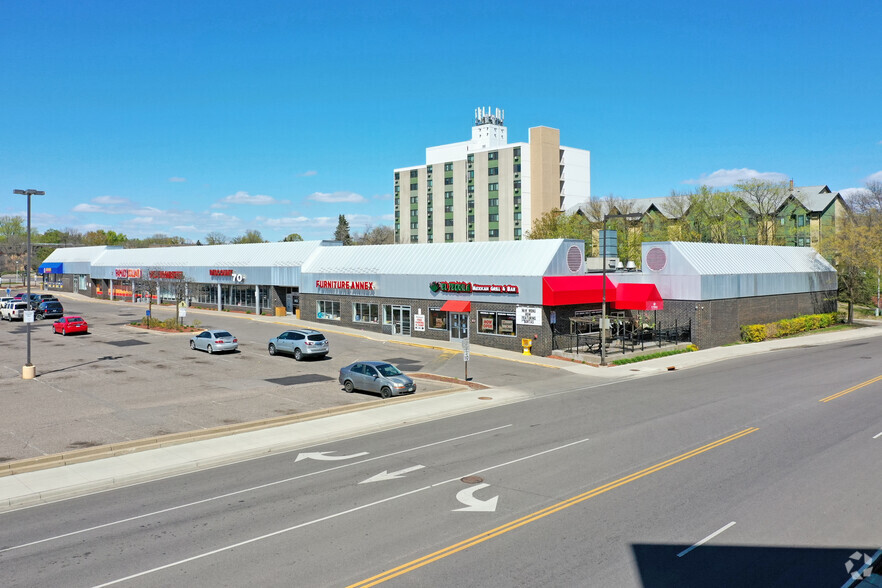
x: 754, y: 472
x: 120, y: 383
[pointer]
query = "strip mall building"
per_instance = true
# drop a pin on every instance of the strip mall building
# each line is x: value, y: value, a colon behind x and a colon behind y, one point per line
x: 489, y: 293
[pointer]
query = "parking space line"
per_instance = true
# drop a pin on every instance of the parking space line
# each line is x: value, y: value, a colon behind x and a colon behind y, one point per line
x: 705, y: 540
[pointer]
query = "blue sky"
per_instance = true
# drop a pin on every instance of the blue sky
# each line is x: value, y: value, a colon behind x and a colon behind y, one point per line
x: 185, y: 118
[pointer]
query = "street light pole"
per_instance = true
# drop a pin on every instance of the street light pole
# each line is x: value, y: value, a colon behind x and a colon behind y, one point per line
x: 29, y: 371
x: 606, y: 217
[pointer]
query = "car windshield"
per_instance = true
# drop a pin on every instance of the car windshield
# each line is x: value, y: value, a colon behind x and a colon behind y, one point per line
x: 222, y: 334
x: 388, y: 370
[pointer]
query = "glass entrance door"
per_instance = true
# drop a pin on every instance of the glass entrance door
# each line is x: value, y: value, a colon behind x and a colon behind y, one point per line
x: 459, y: 325
x: 401, y: 320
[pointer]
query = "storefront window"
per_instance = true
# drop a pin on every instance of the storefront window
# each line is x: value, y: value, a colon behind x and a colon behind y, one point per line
x: 496, y: 323
x: 328, y: 310
x: 231, y: 295
x: 437, y: 319
x: 365, y: 313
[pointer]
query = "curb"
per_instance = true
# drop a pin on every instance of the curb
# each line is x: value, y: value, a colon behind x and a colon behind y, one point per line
x: 33, y: 464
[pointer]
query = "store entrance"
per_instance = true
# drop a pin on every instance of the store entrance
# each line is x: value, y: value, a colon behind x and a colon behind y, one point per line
x: 400, y: 320
x: 459, y: 325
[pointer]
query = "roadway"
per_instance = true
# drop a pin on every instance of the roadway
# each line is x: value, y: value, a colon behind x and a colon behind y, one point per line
x: 752, y: 472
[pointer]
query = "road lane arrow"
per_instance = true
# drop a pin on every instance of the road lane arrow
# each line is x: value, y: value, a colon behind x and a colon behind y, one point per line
x: 475, y: 504
x: 323, y: 456
x: 386, y: 475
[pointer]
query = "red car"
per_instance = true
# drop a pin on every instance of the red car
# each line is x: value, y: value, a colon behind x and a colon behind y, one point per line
x: 70, y: 324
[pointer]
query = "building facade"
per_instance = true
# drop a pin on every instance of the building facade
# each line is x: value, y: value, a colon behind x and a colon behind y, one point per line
x: 487, y: 189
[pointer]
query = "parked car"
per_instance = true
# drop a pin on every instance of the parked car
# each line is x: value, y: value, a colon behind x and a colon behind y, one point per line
x: 300, y: 343
x: 376, y: 376
x: 45, y: 297
x: 70, y: 324
x: 5, y: 299
x: 13, y: 311
x: 212, y: 341
x: 48, y: 309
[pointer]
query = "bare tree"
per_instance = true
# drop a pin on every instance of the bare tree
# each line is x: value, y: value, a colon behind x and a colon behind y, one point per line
x: 764, y: 198
x: 379, y: 235
x: 215, y: 238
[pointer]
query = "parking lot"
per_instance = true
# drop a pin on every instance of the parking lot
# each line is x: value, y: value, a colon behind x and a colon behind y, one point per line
x: 121, y: 383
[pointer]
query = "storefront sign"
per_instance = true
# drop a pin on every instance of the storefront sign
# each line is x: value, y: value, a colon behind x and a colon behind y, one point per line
x: 345, y: 285
x: 529, y: 315
x: 226, y: 273
x: 128, y: 273
x: 419, y: 322
x: 469, y: 287
x: 164, y: 275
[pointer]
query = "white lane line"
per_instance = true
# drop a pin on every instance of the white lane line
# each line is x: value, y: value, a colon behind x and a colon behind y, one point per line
x: 244, y: 490
x: 705, y: 540
x: 511, y: 462
x: 261, y: 538
x: 877, y: 436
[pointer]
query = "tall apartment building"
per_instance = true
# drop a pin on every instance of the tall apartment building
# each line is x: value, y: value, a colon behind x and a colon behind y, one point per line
x: 487, y: 189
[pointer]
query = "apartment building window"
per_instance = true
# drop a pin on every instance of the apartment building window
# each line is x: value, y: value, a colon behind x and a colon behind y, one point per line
x: 516, y: 152
x: 493, y: 233
x: 448, y: 236
x: 493, y: 202
x: 448, y: 208
x: 448, y: 195
x: 493, y: 171
x: 429, y: 182
x: 448, y: 181
x: 415, y: 225
x: 471, y: 158
x: 448, y: 167
x: 517, y: 216
x: 414, y: 173
x: 414, y: 212
x: 448, y: 222
x: 414, y: 199
x: 414, y: 239
x: 471, y: 218
x: 493, y: 156
x: 414, y: 187
x: 517, y: 184
x: 493, y: 187
x: 397, y: 189
x: 516, y: 168
x: 471, y: 235
x: 396, y: 176
x: 517, y: 234
x: 471, y: 175
x: 493, y: 218
x: 471, y: 191
x: 517, y: 200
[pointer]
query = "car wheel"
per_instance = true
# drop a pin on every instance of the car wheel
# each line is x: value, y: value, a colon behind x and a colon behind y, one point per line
x: 192, y: 345
x: 298, y: 355
x: 64, y: 332
x: 347, y: 385
x: 272, y: 349
x: 210, y: 350
x: 386, y: 392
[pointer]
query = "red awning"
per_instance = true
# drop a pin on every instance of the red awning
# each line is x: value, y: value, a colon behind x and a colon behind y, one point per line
x: 587, y: 289
x: 638, y: 297
x: 457, y: 306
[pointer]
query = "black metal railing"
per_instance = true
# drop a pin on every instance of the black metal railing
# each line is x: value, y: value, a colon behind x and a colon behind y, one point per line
x: 623, y: 337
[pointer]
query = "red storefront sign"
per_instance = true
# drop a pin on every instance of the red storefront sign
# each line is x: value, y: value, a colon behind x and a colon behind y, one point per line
x: 128, y: 273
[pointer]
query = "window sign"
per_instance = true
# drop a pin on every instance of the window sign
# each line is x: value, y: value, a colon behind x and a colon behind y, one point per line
x: 419, y: 322
x: 529, y: 315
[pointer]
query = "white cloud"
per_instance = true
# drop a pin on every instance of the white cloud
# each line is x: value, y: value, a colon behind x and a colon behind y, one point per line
x: 176, y: 179
x: 387, y: 196
x: 336, y: 197
x: 242, y: 197
x: 876, y: 177
x: 87, y: 208
x: 728, y: 177
x: 110, y: 200
x: 309, y: 173
x: 296, y: 222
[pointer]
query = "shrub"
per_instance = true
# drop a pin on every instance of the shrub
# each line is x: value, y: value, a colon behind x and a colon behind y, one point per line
x: 753, y: 333
x: 786, y: 327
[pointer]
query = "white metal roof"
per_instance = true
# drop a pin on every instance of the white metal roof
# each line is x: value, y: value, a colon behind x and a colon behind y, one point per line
x: 728, y: 258
x: 284, y: 254
x: 77, y: 254
x: 510, y: 258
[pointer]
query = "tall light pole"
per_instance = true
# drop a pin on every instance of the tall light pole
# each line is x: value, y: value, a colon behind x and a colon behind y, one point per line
x: 29, y: 371
x: 606, y: 217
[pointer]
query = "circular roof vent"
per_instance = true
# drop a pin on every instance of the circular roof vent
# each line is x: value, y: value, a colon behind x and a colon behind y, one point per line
x: 656, y: 259
x: 574, y: 259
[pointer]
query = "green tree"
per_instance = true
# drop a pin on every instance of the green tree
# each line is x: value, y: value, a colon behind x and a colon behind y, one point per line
x: 250, y: 236
x: 292, y: 237
x: 102, y: 237
x: 342, y: 231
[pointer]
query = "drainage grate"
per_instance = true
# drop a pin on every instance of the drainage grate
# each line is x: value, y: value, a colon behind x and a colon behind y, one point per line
x: 126, y: 343
x: 304, y: 379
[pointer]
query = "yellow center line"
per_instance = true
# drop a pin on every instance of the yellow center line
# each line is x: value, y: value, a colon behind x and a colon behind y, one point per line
x: 852, y: 389
x: 450, y: 550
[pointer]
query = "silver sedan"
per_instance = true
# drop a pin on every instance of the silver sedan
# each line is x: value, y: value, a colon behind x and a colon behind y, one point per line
x: 213, y: 341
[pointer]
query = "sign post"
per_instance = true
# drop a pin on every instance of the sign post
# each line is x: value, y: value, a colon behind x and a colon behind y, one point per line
x: 465, y: 357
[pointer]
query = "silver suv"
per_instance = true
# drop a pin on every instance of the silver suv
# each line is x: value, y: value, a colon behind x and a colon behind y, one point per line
x: 300, y: 343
